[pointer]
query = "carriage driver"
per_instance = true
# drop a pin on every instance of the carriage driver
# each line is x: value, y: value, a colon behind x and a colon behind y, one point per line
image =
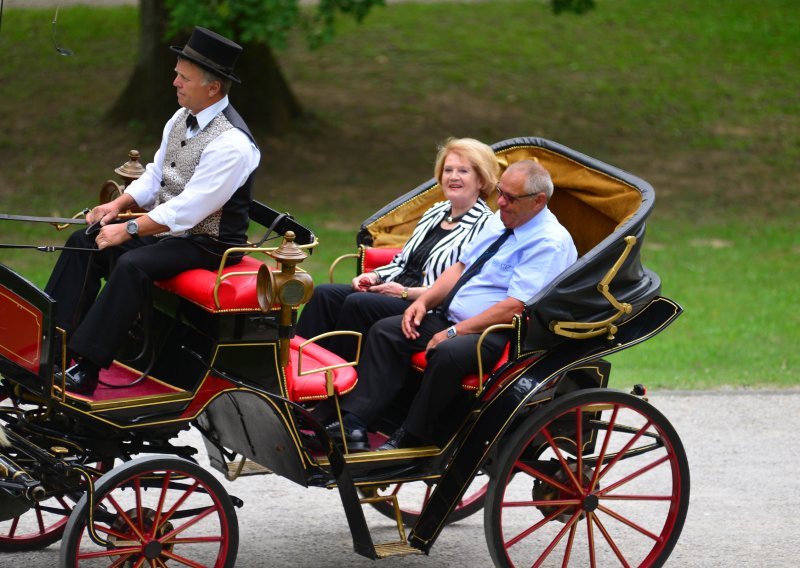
x: 519, y: 251
x: 197, y: 192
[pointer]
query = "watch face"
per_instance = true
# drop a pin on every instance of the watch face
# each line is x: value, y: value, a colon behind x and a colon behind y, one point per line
x: 451, y: 332
x: 132, y: 227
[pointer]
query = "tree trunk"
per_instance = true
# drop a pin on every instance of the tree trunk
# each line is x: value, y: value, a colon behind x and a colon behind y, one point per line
x: 264, y: 98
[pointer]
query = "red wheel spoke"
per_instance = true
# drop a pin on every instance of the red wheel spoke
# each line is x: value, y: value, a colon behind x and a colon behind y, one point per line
x: 13, y: 529
x: 568, y: 526
x: 601, y: 458
x: 186, y: 494
x: 630, y: 523
x: 634, y: 475
x: 544, y: 503
x: 39, y: 519
x: 557, y: 451
x: 181, y: 559
x: 625, y: 449
x: 542, y: 476
x: 570, y: 542
x: 106, y: 553
x: 187, y: 524
x: 610, y: 541
x: 527, y: 532
x: 160, y: 507
x: 125, y: 517
x: 590, y: 540
x: 137, y: 491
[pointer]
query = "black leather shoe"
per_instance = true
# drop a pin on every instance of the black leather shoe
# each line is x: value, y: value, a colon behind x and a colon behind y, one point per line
x: 400, y: 440
x: 80, y: 380
x: 357, y: 438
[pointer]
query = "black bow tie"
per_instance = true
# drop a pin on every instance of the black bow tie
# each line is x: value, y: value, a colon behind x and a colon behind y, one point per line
x: 191, y: 122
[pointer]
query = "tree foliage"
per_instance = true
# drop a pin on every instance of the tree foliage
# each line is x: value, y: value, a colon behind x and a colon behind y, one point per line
x: 265, y: 21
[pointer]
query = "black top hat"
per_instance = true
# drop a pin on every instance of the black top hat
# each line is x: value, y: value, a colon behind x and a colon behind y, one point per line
x: 211, y: 51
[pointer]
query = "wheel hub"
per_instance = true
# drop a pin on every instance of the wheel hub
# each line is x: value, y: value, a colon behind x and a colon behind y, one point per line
x: 151, y: 548
x: 543, y: 491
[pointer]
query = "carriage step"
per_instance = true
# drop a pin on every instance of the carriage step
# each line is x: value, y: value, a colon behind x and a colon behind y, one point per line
x: 387, y: 549
x: 244, y: 467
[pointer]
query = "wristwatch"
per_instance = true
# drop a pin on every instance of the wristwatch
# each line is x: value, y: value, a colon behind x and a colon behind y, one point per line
x: 404, y: 295
x: 451, y: 332
x: 133, y: 229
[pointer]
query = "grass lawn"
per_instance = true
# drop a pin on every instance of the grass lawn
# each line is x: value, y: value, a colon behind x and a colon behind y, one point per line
x: 697, y: 97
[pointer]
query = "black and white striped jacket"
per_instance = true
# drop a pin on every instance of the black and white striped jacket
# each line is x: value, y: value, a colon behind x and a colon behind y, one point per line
x: 447, y: 250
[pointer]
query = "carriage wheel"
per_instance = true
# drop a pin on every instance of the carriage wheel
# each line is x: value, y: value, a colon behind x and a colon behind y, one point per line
x: 622, y: 501
x: 412, y: 498
x: 154, y: 511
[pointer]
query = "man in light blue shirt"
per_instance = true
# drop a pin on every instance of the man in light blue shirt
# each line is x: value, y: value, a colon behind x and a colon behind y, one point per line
x: 519, y: 252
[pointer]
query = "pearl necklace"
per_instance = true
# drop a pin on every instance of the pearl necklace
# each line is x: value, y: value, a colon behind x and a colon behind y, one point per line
x: 451, y: 219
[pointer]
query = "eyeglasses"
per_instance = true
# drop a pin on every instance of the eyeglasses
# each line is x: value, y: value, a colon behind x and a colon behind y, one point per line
x: 512, y: 199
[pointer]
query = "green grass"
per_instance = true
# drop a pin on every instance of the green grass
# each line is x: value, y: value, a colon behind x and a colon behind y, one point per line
x: 697, y: 97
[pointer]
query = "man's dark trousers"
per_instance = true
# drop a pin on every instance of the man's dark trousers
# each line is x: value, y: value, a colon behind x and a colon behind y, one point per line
x: 97, y: 328
x: 387, y: 359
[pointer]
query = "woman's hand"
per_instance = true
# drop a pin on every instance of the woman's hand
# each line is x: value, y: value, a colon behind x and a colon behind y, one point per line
x: 388, y: 289
x: 363, y: 282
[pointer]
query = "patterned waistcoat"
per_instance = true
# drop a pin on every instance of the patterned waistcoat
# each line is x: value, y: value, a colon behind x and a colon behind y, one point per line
x: 230, y: 223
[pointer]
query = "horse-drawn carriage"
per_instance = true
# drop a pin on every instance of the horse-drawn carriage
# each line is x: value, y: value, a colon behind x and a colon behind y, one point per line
x: 566, y: 470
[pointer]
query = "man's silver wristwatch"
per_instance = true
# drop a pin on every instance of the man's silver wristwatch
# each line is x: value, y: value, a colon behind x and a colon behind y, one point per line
x: 451, y: 332
x: 133, y: 229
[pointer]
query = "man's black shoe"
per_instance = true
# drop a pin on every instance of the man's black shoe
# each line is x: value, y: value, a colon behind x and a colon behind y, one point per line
x: 400, y: 440
x: 80, y: 380
x: 357, y: 438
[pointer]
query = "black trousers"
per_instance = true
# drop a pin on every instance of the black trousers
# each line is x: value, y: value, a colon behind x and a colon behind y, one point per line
x: 337, y: 307
x: 97, y: 321
x: 387, y: 359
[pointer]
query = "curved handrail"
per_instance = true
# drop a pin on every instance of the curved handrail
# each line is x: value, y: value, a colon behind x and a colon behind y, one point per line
x: 487, y: 331
x: 586, y: 330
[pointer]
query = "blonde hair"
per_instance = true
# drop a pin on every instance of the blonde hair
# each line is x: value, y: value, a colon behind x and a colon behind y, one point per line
x: 478, y: 154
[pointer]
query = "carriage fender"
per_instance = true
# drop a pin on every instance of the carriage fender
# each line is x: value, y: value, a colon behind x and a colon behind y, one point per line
x: 257, y: 427
x: 501, y: 413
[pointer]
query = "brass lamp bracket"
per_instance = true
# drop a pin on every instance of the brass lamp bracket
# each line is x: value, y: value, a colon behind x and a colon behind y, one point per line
x: 586, y: 330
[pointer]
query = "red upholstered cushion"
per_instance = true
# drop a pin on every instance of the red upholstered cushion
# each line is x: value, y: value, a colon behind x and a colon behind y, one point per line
x: 419, y: 361
x: 377, y: 257
x: 313, y: 386
x: 237, y: 293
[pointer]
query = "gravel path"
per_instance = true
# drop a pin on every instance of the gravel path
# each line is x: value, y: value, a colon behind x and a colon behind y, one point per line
x: 745, y: 490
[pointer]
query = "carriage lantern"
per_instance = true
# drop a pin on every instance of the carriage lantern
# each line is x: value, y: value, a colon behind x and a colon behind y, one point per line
x: 288, y: 288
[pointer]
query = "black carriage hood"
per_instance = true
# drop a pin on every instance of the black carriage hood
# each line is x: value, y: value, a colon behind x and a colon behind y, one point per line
x: 574, y: 295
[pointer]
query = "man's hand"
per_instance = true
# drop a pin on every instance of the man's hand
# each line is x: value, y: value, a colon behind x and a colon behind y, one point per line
x: 412, y: 317
x: 436, y: 340
x: 105, y: 213
x: 111, y: 236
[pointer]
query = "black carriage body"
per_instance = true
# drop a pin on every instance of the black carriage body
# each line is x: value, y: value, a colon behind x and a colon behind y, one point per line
x: 227, y: 364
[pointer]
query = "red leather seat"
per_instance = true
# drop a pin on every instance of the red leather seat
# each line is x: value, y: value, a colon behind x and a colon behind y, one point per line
x: 372, y: 258
x: 236, y: 293
x: 314, y: 385
x: 470, y: 383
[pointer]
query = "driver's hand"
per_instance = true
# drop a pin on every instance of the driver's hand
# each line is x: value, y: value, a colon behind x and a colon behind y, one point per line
x: 111, y: 236
x: 104, y: 213
x: 388, y: 289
